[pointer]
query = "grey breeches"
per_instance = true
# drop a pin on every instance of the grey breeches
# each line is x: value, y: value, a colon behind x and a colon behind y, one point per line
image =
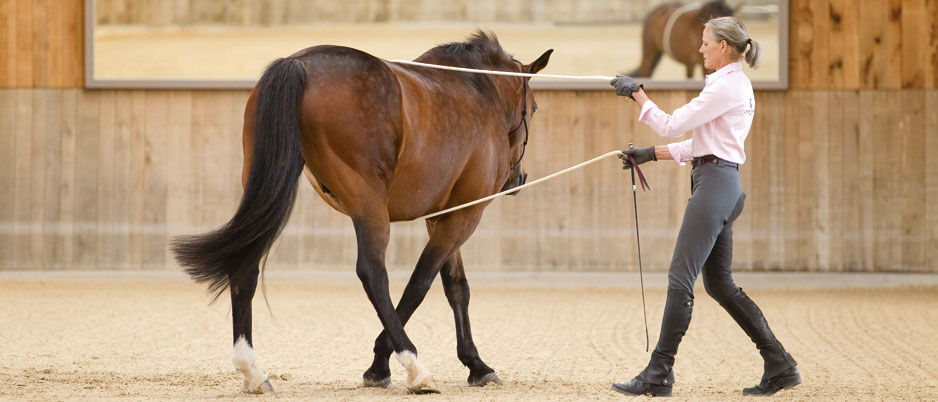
x: 705, y: 241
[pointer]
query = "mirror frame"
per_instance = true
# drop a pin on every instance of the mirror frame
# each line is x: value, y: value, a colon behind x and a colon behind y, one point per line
x: 93, y: 82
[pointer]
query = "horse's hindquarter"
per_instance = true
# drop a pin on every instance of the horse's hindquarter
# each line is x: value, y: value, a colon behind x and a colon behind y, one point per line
x: 351, y: 126
x: 449, y: 154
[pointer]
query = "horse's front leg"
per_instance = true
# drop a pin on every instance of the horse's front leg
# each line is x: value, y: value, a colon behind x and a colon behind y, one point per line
x: 457, y: 292
x: 446, y: 235
x: 242, y: 354
x: 372, y: 235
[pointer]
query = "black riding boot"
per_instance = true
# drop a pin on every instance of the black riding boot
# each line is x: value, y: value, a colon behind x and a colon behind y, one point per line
x: 658, y: 378
x: 780, y: 370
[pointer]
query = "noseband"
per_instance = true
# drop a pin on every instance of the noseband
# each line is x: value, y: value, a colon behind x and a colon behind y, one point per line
x: 524, y: 121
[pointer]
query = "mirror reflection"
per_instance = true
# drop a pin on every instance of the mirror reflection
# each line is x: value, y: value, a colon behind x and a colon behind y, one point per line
x: 203, y: 40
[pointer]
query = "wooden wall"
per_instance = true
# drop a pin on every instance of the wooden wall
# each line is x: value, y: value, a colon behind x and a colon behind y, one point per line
x: 41, y: 43
x: 841, y: 173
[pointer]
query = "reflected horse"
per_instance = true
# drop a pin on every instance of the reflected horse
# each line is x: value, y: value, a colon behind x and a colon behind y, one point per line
x: 675, y: 29
x: 380, y: 142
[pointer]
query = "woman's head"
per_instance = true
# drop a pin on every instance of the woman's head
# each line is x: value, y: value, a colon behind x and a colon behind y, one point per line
x: 724, y: 40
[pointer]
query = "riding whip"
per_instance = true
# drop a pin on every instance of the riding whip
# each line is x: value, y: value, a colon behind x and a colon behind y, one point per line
x: 638, y: 239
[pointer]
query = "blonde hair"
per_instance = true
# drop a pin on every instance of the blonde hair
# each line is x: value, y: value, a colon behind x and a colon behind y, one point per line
x: 734, y: 32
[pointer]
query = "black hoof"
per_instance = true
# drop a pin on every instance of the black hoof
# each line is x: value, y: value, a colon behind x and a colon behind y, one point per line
x: 787, y: 379
x: 382, y: 380
x: 484, y: 380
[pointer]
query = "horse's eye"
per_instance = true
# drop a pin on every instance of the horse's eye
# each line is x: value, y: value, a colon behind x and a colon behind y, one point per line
x: 534, y: 108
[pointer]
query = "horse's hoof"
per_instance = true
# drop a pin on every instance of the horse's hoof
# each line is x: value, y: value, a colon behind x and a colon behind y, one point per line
x: 423, y: 389
x: 382, y: 383
x: 262, y: 388
x: 487, y: 379
x: 427, y: 386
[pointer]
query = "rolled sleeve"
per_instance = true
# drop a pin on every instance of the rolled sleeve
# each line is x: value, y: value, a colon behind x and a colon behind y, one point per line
x: 682, y: 151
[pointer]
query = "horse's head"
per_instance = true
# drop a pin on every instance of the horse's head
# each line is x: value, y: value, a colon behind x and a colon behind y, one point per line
x: 518, y: 135
x: 508, y: 96
x: 715, y: 9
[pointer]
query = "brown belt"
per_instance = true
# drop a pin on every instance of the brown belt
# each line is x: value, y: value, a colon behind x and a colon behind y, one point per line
x: 700, y: 160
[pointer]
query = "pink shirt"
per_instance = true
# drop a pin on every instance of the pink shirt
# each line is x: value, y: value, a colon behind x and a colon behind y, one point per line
x: 720, y: 118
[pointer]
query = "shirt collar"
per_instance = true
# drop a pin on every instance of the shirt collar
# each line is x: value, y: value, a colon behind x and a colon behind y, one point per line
x: 726, y: 70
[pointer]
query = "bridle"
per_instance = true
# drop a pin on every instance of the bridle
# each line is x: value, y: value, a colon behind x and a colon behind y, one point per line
x: 524, y: 121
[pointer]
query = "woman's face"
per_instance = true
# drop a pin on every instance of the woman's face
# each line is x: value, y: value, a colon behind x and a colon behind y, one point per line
x: 714, y: 53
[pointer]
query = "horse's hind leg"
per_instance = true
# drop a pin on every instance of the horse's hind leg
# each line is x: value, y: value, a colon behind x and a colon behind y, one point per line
x: 242, y: 354
x: 457, y: 292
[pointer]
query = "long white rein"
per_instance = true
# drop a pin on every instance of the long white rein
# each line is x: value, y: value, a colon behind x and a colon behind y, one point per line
x: 519, y: 188
x: 496, y: 72
x: 509, y: 73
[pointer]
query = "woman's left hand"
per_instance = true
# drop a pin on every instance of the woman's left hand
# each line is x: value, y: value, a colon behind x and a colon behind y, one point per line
x: 625, y: 86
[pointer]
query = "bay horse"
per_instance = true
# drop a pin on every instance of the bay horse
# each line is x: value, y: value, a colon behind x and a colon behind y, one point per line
x: 675, y: 29
x: 380, y: 142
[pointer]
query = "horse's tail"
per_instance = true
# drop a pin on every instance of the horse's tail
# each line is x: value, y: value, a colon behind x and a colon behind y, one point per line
x: 230, y: 254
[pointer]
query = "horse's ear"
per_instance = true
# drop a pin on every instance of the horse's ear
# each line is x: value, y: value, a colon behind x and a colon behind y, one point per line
x: 540, y: 63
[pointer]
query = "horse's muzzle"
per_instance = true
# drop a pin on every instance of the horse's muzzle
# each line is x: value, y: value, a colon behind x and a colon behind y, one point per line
x: 515, y: 181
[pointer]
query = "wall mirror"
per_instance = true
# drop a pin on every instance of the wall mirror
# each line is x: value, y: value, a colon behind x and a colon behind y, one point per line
x: 227, y: 44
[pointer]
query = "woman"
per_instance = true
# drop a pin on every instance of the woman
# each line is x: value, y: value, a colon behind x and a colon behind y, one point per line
x: 720, y: 118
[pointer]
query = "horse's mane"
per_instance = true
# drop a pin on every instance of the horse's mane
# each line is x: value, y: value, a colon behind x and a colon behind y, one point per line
x: 714, y: 9
x: 479, y: 50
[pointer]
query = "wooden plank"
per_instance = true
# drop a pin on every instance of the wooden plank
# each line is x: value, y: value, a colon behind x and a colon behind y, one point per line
x: 106, y: 246
x: 55, y: 28
x: 845, y: 110
x: 931, y: 182
x: 64, y: 232
x: 835, y: 161
x: 874, y: 63
x: 25, y: 178
x: 931, y: 56
x: 8, y: 42
x: 844, y: 44
x: 40, y: 43
x: 119, y: 213
x: 137, y: 176
x: 801, y: 50
x: 179, y: 168
x: 44, y: 249
x: 867, y: 149
x: 887, y: 117
x: 84, y: 254
x: 8, y: 175
x: 821, y: 53
x: 72, y: 46
x: 155, y: 158
x: 911, y: 189
x: 914, y: 45
x: 894, y: 45
x: 24, y: 43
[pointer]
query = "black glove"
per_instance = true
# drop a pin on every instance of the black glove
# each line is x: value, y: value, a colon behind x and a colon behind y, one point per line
x: 641, y: 155
x: 625, y: 86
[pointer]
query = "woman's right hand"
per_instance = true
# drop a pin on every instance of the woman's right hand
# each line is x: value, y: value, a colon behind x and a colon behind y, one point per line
x: 640, y: 155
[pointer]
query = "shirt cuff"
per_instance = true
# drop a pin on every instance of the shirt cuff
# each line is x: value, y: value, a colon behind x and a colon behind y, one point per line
x: 675, y: 150
x: 648, y: 105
